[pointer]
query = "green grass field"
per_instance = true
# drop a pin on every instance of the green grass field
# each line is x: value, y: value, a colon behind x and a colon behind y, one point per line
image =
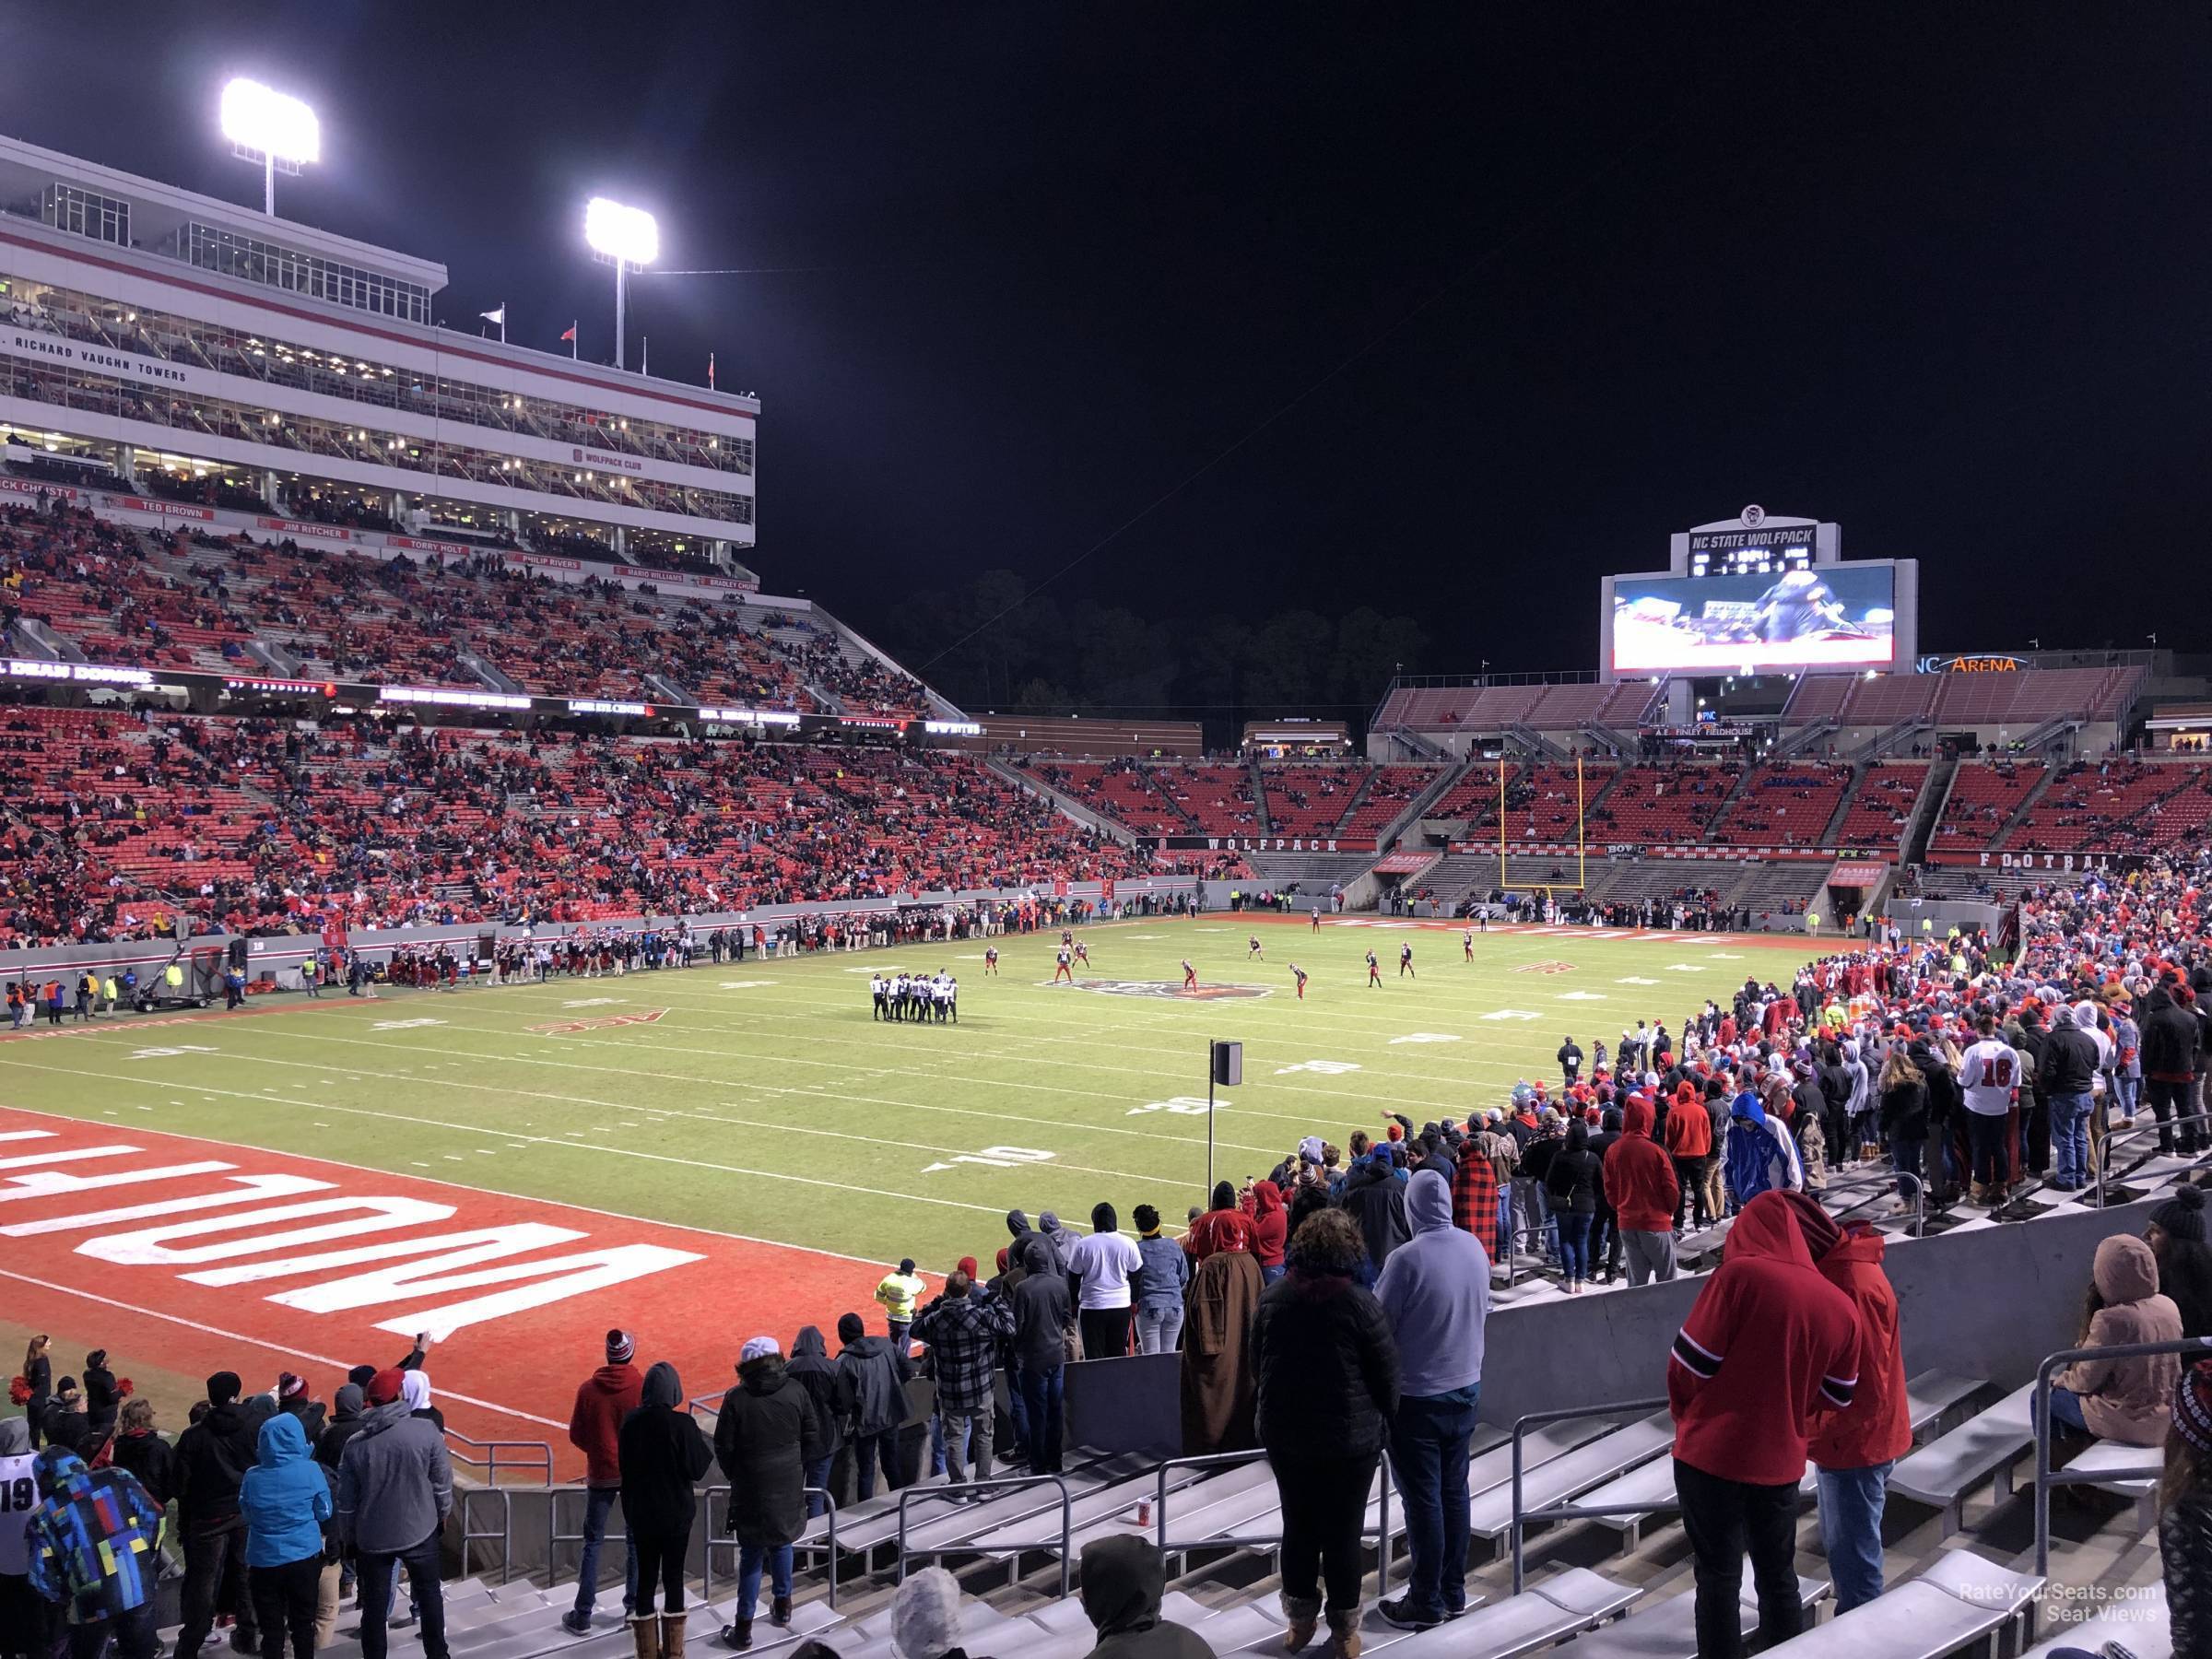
x: 765, y: 1101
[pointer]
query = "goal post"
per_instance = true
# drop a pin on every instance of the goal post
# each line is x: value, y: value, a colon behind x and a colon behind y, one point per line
x: 1582, y: 839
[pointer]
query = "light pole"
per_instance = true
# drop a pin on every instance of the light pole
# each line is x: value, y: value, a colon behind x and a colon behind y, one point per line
x: 626, y: 237
x: 271, y: 128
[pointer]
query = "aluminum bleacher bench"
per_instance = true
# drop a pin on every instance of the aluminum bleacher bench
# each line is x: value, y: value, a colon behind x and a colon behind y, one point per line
x: 1575, y: 1599
x: 1573, y: 1472
x: 1928, y: 1397
x: 1960, y: 1598
x: 2133, y: 1615
x: 1112, y: 1510
x: 1942, y: 1472
x: 1668, y: 1629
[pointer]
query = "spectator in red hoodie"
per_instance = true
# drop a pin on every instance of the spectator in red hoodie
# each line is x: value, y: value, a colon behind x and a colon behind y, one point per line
x: 1769, y: 1352
x: 1262, y: 1205
x: 1689, y: 1144
x: 1642, y: 1187
x: 603, y: 1400
x: 1853, y: 1454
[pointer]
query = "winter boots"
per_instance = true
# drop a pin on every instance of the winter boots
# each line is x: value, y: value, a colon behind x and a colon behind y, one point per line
x: 1343, y: 1635
x: 672, y: 1635
x: 1300, y: 1615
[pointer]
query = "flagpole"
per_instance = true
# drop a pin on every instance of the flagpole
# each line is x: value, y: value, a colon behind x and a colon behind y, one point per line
x: 573, y: 339
x: 502, y: 322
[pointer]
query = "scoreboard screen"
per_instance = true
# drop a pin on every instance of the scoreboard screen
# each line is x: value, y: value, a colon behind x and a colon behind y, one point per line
x: 1794, y: 616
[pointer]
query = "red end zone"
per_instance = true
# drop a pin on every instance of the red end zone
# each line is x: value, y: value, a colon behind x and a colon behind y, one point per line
x: 204, y: 1256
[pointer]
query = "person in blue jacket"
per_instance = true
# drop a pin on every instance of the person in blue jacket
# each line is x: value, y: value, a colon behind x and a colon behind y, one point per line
x: 286, y: 1500
x: 1761, y: 1156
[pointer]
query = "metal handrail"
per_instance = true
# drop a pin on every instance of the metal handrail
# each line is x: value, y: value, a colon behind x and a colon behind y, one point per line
x: 539, y: 1461
x: 2045, y: 1476
x: 1067, y: 1513
x: 1566, y: 1511
x: 2104, y: 1158
x: 699, y: 1406
x: 504, y: 1536
x: 1203, y: 1460
x: 1920, y: 1200
x: 715, y: 1541
x: 1212, y: 1460
x: 555, y: 1537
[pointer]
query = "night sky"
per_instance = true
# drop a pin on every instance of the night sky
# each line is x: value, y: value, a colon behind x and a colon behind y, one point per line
x: 1448, y: 309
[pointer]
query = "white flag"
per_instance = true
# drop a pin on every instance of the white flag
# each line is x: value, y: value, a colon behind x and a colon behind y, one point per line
x: 499, y: 316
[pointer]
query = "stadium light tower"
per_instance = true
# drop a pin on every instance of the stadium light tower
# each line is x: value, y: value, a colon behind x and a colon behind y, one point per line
x: 271, y: 128
x: 626, y: 237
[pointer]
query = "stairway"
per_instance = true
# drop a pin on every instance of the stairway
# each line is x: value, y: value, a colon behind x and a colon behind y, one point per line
x: 1927, y: 812
x: 2028, y: 801
x: 1834, y: 826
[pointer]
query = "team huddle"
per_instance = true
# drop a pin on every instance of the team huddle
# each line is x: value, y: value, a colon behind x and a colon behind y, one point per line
x: 926, y: 998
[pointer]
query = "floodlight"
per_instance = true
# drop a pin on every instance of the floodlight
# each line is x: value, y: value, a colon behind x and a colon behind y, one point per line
x: 628, y: 235
x: 272, y: 128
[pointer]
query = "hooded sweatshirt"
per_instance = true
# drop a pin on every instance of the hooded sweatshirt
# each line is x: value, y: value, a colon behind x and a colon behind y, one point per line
x: 1269, y: 1233
x: 15, y: 1461
x: 345, y: 1423
x: 603, y: 1400
x: 90, y: 1541
x: 1769, y: 1349
x: 661, y: 1454
x: 1435, y: 1290
x: 1877, y: 1426
x: 1762, y: 1155
x: 831, y: 1392
x: 1122, y: 1580
x: 1639, y: 1178
x: 285, y: 1497
x: 396, y: 1483
x: 2127, y: 1400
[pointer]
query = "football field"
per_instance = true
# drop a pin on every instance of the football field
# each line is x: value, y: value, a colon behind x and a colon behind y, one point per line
x: 739, y: 1147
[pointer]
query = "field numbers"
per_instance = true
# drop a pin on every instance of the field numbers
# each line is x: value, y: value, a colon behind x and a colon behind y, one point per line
x: 1582, y: 996
x: 1633, y: 980
x: 1511, y: 1013
x: 164, y: 1054
x: 1327, y: 1068
x: 1181, y: 1106
x: 403, y: 1025
x: 1427, y: 1037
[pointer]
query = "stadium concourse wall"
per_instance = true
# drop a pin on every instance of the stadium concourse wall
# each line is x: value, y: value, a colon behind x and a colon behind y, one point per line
x: 281, y: 955
x: 1986, y: 1301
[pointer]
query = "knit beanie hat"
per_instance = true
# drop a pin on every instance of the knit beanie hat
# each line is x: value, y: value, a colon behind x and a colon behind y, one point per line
x: 850, y: 1329
x: 2193, y: 1406
x: 2182, y: 1216
x: 620, y: 1345
x: 758, y: 1347
x: 384, y: 1387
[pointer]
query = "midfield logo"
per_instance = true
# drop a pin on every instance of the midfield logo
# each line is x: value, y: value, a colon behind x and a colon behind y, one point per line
x: 565, y: 1028
x: 1173, y: 993
x: 1545, y: 968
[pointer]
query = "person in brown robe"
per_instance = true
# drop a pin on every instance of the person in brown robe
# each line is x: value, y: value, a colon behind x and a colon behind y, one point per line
x: 1219, y: 1382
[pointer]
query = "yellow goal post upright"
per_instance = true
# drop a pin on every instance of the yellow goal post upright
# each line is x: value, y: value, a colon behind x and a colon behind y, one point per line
x: 1582, y: 839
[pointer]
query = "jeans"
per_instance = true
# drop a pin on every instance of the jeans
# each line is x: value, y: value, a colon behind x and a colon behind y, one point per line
x: 375, y: 1574
x: 867, y: 1450
x: 283, y: 1603
x: 132, y: 1634
x: 1324, y: 1500
x: 1604, y: 1240
x: 1574, y: 1245
x: 1158, y: 1329
x: 2065, y: 1407
x: 1040, y: 1390
x: 2070, y: 1140
x: 1851, y: 1529
x: 2130, y: 1091
x: 1650, y: 1256
x: 213, y: 1557
x: 1724, y: 1519
x: 937, y: 1445
x: 967, y: 1431
x: 818, y: 1474
x: 1985, y: 1142
x: 1429, y: 1454
x: 751, y: 1557
x: 1904, y: 1157
x: 597, y: 1501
